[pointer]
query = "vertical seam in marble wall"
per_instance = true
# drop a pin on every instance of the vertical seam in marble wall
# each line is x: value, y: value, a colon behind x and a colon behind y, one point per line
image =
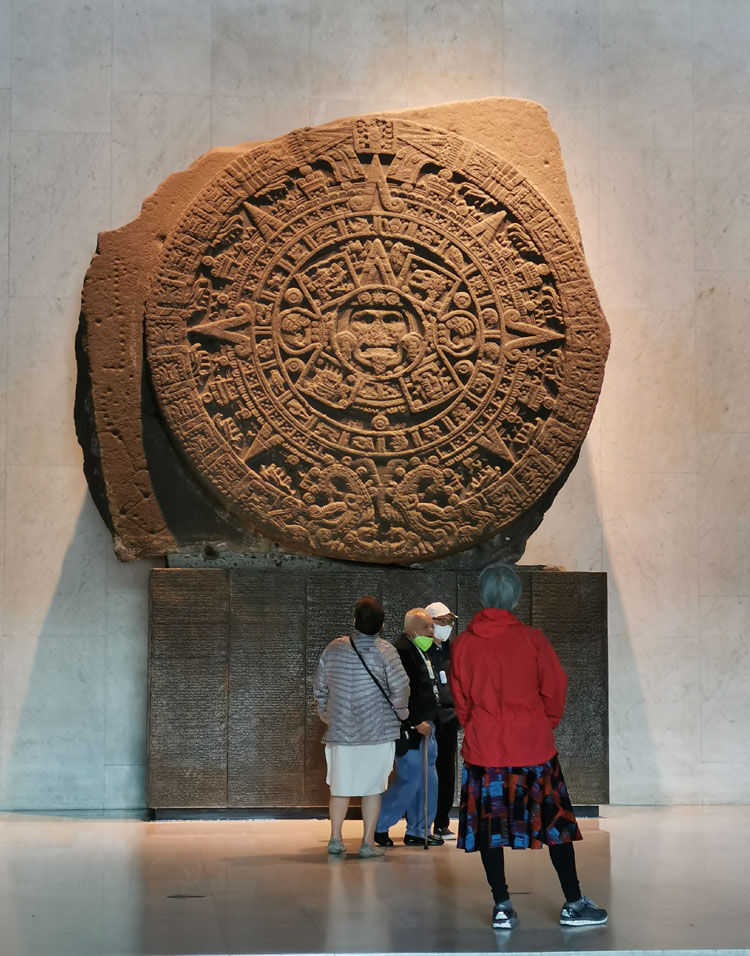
x: 211, y: 74
x: 111, y: 130
x: 309, y: 63
x: 695, y: 401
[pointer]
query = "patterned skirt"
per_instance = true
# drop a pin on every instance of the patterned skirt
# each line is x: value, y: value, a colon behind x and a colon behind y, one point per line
x: 517, y: 807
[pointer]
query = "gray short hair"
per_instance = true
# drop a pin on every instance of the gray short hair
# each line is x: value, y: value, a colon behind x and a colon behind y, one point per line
x: 499, y: 587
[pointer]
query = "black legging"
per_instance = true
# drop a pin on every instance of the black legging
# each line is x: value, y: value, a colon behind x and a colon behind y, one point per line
x: 563, y: 859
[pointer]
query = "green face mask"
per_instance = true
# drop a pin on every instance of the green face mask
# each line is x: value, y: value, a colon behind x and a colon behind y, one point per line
x: 423, y: 643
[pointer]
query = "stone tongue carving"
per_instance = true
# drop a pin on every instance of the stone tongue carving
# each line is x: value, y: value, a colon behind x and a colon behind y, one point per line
x: 375, y: 340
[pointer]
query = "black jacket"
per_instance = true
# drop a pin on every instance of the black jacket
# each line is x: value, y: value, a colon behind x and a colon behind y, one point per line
x: 423, y: 703
x: 440, y: 655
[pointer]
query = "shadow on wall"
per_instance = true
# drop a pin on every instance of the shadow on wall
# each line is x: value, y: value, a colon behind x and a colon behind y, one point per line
x: 74, y: 681
x: 635, y: 773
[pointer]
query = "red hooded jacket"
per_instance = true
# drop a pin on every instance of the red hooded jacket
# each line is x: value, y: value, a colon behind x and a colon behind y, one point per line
x: 509, y: 691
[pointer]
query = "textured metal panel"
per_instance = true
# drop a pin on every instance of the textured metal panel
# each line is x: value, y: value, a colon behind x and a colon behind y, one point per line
x: 264, y: 736
x: 267, y: 692
x: 330, y: 613
x: 187, y: 717
x: 189, y: 612
x: 404, y: 591
x: 571, y: 609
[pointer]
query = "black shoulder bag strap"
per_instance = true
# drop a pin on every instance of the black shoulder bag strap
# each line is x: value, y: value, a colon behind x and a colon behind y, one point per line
x: 377, y: 682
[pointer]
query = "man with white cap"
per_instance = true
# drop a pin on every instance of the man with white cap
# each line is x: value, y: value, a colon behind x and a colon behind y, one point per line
x: 446, y: 732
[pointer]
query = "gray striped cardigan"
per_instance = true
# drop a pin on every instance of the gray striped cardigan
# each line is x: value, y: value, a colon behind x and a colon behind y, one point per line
x: 348, y: 700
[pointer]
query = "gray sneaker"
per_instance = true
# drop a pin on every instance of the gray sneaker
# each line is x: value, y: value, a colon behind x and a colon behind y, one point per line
x: 583, y: 912
x: 504, y: 916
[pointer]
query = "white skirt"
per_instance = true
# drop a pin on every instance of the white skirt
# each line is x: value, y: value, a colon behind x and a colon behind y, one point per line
x: 359, y: 771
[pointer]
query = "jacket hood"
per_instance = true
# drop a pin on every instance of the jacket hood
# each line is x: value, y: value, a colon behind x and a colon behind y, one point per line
x: 485, y: 623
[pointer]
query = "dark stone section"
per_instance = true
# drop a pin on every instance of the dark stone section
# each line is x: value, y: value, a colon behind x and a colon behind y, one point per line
x: 232, y: 719
x: 187, y: 696
x: 267, y: 690
x: 329, y: 615
x: 570, y: 609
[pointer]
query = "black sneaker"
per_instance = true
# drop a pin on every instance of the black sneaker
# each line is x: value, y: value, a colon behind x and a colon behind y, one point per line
x: 382, y: 839
x: 504, y: 916
x: 445, y: 832
x: 583, y: 912
x: 410, y: 840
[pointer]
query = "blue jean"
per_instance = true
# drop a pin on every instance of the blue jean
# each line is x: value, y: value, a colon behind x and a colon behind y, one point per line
x: 405, y: 795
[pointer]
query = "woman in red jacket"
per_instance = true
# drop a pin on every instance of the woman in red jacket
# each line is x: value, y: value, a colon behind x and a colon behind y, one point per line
x: 509, y: 692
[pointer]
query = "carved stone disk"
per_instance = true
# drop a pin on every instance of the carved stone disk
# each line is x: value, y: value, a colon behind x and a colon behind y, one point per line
x: 374, y: 341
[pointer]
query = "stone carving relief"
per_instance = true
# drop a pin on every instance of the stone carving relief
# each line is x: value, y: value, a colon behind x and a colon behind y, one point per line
x: 375, y: 340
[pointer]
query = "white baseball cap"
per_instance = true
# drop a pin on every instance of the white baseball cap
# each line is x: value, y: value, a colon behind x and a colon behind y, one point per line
x: 438, y: 609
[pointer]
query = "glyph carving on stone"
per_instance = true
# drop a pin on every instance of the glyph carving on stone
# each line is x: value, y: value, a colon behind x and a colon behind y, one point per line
x: 376, y: 340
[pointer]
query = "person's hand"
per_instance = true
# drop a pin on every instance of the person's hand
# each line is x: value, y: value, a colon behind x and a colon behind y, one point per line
x: 424, y: 728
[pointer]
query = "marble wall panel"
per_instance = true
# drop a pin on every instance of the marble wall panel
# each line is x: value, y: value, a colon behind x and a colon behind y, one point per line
x: 41, y: 382
x: 51, y: 731
x: 235, y: 119
x: 129, y: 575
x: 551, y: 51
x: 724, y: 513
x: 59, y: 200
x: 326, y: 110
x: 571, y: 534
x: 4, y: 169
x: 725, y: 676
x: 124, y: 787
x: 453, y: 54
x: 725, y: 782
x: 54, y: 583
x: 647, y: 402
x: 578, y: 132
x: 654, y: 719
x: 722, y: 191
x: 5, y: 50
x: 153, y: 136
x: 645, y: 53
x: 62, y: 54
x: 261, y: 49
x: 651, y: 554
x: 3, y: 430
x: 370, y: 43
x: 161, y: 47
x: 722, y: 306
x: 632, y: 127
x: 646, y: 247
x: 722, y: 69
x: 126, y: 673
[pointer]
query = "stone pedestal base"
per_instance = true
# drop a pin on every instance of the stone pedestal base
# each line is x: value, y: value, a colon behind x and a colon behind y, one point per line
x: 232, y: 721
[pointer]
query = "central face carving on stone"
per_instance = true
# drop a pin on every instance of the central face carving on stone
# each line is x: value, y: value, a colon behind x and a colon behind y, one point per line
x: 379, y: 332
x: 360, y: 335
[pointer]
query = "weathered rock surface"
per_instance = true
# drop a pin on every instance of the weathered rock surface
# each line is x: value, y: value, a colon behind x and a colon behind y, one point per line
x: 375, y: 340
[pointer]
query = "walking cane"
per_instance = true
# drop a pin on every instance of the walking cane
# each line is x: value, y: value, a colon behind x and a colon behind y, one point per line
x: 424, y: 741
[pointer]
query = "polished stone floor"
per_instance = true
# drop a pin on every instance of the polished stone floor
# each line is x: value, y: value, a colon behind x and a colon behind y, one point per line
x: 673, y: 879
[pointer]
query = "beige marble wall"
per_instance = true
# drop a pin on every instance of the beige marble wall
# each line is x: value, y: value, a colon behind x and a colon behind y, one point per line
x: 651, y: 100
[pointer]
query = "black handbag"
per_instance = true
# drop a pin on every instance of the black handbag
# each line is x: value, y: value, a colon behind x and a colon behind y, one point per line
x: 402, y: 743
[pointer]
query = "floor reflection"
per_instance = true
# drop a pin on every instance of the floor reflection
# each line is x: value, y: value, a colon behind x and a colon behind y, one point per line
x: 95, y: 887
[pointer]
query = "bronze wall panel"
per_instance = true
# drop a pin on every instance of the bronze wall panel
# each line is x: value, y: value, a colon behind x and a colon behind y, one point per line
x: 232, y: 719
x: 571, y: 609
x: 187, y: 698
x: 330, y: 599
x: 267, y: 692
x: 402, y: 592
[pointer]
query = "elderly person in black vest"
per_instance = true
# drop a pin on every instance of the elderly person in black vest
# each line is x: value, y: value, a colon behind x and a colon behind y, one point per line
x: 406, y: 794
x: 362, y: 718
